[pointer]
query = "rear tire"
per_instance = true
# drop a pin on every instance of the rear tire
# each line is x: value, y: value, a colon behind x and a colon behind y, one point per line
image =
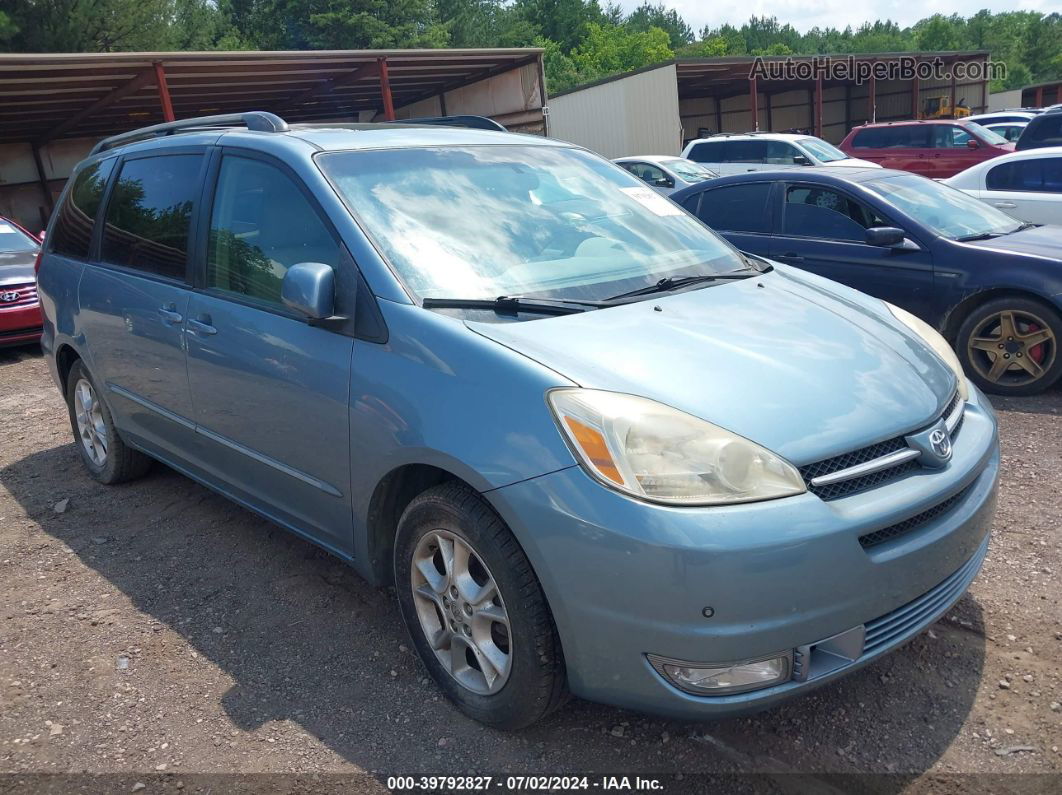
x: 106, y: 457
x: 475, y: 611
x: 1009, y: 346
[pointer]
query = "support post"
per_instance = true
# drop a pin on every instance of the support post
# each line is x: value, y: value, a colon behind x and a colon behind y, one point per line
x: 818, y: 105
x: 1039, y: 96
x: 41, y: 177
x: 164, y: 92
x: 872, y: 99
x: 770, y: 113
x: 754, y: 103
x: 953, y: 111
x: 385, y: 89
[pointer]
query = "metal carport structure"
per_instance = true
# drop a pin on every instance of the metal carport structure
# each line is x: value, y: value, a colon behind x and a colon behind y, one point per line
x: 54, y: 106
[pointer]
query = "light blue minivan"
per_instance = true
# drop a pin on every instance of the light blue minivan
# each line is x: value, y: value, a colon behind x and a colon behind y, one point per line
x: 595, y: 449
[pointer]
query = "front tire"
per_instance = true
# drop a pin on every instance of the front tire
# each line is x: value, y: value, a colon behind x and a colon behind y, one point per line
x: 1009, y: 346
x: 475, y: 610
x: 106, y: 457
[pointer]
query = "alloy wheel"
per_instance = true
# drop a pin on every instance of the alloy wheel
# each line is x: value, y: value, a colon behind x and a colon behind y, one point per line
x: 91, y: 428
x: 461, y: 611
x: 1012, y: 348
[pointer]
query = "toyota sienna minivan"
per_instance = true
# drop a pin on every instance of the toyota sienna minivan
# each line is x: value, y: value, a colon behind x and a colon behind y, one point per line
x: 596, y: 450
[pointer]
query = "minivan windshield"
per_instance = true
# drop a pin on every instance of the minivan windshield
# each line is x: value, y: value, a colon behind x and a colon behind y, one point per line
x: 947, y: 211
x: 483, y: 221
x: 824, y: 152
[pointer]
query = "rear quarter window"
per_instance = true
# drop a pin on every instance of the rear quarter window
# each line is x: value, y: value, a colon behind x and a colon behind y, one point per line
x: 707, y: 153
x: 736, y: 208
x: 71, y: 235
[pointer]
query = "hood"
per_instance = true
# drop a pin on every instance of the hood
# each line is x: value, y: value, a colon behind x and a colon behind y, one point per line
x: 852, y: 162
x: 16, y: 267
x: 1039, y: 241
x: 804, y: 367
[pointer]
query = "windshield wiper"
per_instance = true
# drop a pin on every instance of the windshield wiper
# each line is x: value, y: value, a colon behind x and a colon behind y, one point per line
x: 676, y: 282
x: 978, y: 236
x: 513, y: 304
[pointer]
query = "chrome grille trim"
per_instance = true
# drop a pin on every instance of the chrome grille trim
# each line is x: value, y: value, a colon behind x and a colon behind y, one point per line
x: 869, y: 468
x: 879, y: 463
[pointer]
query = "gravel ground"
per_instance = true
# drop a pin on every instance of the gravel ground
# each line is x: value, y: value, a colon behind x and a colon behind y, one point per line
x: 157, y: 631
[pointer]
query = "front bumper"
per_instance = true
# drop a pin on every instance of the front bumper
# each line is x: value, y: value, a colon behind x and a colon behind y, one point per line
x: 625, y: 579
x: 20, y: 326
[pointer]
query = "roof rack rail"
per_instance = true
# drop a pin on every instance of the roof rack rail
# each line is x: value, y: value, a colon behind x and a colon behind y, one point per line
x: 475, y: 122
x: 258, y: 120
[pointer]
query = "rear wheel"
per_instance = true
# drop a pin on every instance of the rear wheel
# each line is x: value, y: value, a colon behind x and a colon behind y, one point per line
x: 1009, y: 346
x: 106, y: 457
x: 475, y: 610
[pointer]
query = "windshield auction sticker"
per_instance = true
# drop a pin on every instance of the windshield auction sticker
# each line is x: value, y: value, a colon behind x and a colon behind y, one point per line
x: 653, y: 200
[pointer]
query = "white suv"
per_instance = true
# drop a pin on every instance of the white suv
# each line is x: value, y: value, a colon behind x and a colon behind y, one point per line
x: 727, y: 153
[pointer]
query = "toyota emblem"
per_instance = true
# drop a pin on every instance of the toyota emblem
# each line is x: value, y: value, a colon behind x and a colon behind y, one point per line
x: 9, y: 296
x: 940, y: 443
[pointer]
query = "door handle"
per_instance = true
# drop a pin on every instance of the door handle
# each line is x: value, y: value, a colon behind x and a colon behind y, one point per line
x: 169, y: 314
x: 791, y: 256
x: 1004, y: 205
x: 201, y: 326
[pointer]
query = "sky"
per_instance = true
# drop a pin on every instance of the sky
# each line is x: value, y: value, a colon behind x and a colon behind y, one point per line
x: 804, y: 15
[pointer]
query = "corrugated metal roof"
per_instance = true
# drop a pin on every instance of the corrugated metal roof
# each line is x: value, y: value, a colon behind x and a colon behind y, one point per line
x: 729, y: 75
x: 46, y: 96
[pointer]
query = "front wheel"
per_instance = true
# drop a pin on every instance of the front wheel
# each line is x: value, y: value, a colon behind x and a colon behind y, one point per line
x: 475, y: 610
x: 1009, y: 346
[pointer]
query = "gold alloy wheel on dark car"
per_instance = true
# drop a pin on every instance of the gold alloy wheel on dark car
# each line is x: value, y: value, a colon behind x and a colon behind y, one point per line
x: 1012, y: 348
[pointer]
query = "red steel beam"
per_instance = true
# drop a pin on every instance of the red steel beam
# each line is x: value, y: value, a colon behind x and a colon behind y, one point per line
x: 818, y: 105
x: 164, y: 92
x: 872, y: 99
x: 385, y: 90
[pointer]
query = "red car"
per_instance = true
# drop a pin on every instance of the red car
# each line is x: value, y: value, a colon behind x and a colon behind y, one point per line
x: 936, y: 149
x: 20, y: 309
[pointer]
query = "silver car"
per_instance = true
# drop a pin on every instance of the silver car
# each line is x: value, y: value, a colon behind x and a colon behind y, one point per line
x: 664, y: 173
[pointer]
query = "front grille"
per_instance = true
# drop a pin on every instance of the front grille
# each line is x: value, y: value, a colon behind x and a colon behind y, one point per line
x: 26, y: 295
x: 912, y: 523
x: 891, y: 627
x: 843, y: 488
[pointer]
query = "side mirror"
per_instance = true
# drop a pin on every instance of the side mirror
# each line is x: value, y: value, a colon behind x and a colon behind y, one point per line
x: 884, y: 236
x: 310, y: 289
x: 41, y: 234
x: 972, y: 144
x: 800, y: 160
x: 664, y: 182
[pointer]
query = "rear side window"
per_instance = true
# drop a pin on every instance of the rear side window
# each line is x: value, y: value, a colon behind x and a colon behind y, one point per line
x: 1042, y: 174
x: 71, y: 235
x: 150, y: 212
x: 1044, y: 131
x: 745, y: 152
x: 261, y: 225
x: 707, y: 153
x: 736, y: 208
x: 905, y: 137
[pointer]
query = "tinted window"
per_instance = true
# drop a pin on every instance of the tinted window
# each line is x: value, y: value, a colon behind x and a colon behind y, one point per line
x: 72, y: 233
x: 745, y: 152
x: 150, y: 212
x: 707, y: 152
x: 824, y: 213
x: 781, y: 153
x: 1041, y: 174
x: 736, y: 208
x: 647, y: 172
x: 917, y: 136
x: 261, y: 225
x: 1044, y: 131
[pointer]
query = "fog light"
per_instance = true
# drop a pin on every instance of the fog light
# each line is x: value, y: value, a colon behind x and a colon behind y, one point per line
x: 707, y: 679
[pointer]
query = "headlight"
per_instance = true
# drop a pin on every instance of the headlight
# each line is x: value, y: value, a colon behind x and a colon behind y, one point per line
x: 655, y: 452
x: 935, y: 341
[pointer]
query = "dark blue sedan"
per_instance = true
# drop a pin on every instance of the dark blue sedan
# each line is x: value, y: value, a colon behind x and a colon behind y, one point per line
x: 991, y: 284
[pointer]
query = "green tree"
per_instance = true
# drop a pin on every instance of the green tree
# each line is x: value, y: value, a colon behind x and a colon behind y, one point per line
x: 668, y: 20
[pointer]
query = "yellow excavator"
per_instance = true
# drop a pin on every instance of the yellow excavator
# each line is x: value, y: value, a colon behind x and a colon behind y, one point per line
x: 940, y: 108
